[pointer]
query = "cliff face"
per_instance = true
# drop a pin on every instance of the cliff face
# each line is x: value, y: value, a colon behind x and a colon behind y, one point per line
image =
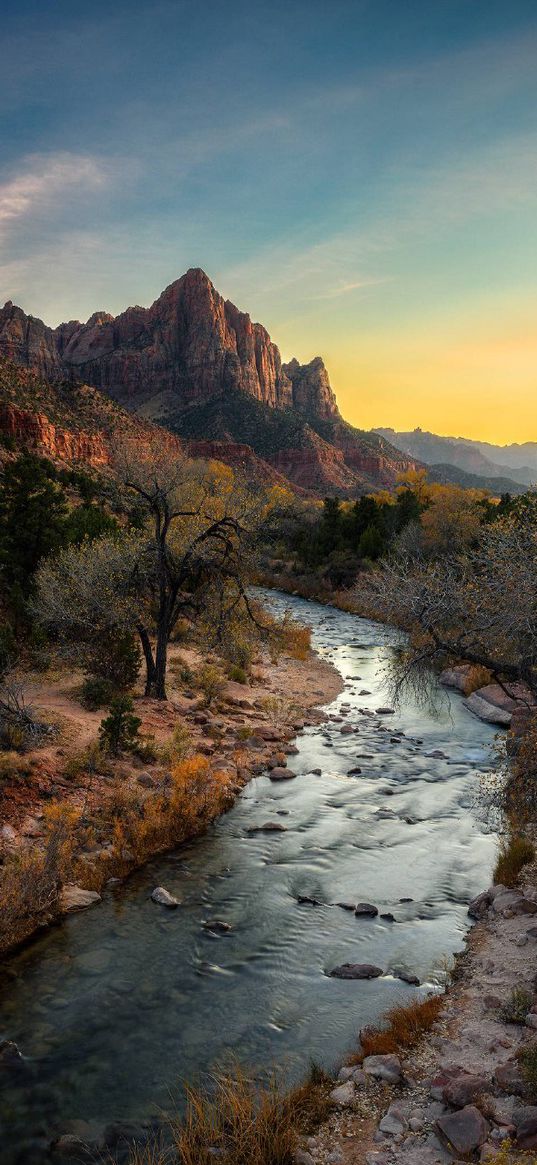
x: 312, y: 393
x: 28, y: 341
x: 36, y: 431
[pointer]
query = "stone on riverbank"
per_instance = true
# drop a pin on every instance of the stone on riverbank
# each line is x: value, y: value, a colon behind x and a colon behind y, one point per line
x: 74, y: 898
x: 463, y: 1131
x: 386, y: 1068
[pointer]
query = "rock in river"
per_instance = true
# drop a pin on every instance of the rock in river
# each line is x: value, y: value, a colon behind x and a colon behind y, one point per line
x: 281, y: 774
x: 267, y: 827
x: 75, y: 898
x: 164, y: 898
x: 365, y: 910
x: 356, y: 971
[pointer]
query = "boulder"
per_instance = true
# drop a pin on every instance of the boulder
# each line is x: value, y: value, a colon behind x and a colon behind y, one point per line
x: 307, y: 900
x: 485, y: 710
x: 456, y: 677
x: 509, y: 1078
x: 393, y: 1121
x: 74, y: 898
x: 386, y: 1068
x: 365, y: 910
x: 164, y: 898
x: 406, y: 977
x: 356, y: 971
x: 267, y: 827
x: 464, y: 1131
x: 281, y: 774
x: 10, y: 1055
x: 464, y: 1088
x: 525, y: 1122
x: 217, y: 926
x: 479, y: 906
x: 344, y: 1095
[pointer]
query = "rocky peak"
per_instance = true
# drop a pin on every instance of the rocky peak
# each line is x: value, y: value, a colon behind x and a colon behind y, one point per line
x: 312, y: 393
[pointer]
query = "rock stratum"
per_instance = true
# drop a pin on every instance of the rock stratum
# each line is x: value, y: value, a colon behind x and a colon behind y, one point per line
x: 195, y: 364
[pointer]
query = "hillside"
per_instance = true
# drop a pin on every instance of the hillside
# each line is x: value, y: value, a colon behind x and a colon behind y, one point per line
x: 451, y: 475
x: 196, y: 364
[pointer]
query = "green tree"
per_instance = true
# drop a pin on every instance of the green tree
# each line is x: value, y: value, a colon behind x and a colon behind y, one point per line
x: 119, y: 731
x: 32, y: 521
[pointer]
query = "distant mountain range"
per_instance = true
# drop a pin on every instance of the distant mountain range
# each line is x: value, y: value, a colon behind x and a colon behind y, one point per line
x: 194, y: 363
x: 501, y: 468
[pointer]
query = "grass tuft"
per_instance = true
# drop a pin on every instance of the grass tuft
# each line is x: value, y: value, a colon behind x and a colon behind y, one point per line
x: 403, y: 1028
x: 515, y: 853
x: 517, y: 1006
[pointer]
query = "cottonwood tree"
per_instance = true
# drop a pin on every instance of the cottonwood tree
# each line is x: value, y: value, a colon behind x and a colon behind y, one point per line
x: 191, y: 558
x: 479, y: 605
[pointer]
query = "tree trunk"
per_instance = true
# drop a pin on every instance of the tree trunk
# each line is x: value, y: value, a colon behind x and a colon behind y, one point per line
x: 161, y: 659
x: 150, y: 669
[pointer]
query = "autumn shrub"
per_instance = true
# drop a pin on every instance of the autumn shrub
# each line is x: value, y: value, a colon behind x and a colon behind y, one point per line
x: 291, y: 638
x: 13, y: 766
x: 516, y: 1008
x: 178, y: 746
x: 146, y: 749
x: 31, y: 879
x: 520, y: 792
x: 210, y: 681
x: 404, y: 1026
x: 91, y: 760
x: 515, y: 853
x: 507, y: 1154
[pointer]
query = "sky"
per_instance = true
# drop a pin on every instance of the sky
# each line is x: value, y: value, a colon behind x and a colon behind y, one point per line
x: 359, y: 175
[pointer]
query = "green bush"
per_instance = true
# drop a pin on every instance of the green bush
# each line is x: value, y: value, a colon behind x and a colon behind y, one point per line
x: 116, y: 658
x: 119, y: 731
x: 528, y: 1066
x: 96, y: 692
x: 238, y: 674
x: 210, y: 681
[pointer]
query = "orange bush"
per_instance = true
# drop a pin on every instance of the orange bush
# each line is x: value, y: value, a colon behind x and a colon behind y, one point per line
x: 405, y: 1025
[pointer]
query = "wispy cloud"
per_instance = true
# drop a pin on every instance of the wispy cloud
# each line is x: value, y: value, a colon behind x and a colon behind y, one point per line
x: 42, y: 181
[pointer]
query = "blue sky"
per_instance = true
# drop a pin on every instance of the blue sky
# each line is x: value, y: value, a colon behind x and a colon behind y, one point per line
x: 361, y: 175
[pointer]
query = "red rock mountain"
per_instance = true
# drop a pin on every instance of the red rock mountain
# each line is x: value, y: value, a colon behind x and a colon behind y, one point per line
x: 196, y: 364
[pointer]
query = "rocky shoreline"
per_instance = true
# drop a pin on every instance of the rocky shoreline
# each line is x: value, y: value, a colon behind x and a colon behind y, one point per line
x: 464, y: 1093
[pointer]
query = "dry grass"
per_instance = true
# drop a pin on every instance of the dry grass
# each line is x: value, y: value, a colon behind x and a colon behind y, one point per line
x: 515, y: 853
x: 508, y: 1155
x: 403, y: 1028
x: 30, y: 880
x: 238, y: 1121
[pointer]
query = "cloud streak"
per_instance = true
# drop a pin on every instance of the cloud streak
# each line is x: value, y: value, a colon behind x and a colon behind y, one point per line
x: 43, y: 181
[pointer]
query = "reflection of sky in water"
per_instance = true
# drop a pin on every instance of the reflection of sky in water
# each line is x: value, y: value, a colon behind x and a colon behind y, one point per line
x: 118, y: 1004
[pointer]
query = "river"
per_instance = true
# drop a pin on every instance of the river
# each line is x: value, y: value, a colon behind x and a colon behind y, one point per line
x: 118, y: 1004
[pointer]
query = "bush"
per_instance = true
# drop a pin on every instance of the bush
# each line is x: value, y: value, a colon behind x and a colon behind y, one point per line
x: 476, y: 677
x: 238, y: 674
x: 96, y: 692
x: 517, y: 1006
x: 515, y: 853
x: 527, y: 1058
x: 146, y: 749
x: 91, y: 760
x: 116, y: 658
x: 119, y: 731
x: 210, y: 681
x: 178, y: 746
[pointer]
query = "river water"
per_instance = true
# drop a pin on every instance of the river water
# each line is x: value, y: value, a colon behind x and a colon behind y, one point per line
x: 112, y: 1009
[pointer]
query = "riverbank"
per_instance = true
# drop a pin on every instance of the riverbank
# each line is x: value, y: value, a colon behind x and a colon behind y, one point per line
x: 470, y: 1088
x: 61, y: 804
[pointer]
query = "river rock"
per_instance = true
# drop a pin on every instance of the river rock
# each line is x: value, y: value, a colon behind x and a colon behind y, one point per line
x: 351, y: 906
x: 393, y: 1121
x: 385, y: 711
x: 406, y: 977
x: 464, y: 1088
x: 164, y: 898
x: 386, y: 1068
x: 463, y: 1131
x: 356, y: 971
x: 217, y: 926
x: 267, y: 827
x: 74, y: 898
x: 479, y: 906
x: 354, y: 772
x: 10, y: 1054
x: 281, y: 774
x: 509, y: 1078
x: 365, y: 910
x: 485, y: 710
x: 525, y: 1122
x: 344, y: 1095
x: 307, y: 900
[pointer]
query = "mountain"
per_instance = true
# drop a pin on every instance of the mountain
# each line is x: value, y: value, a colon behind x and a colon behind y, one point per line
x: 196, y: 364
x: 474, y: 457
x: 451, y: 475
